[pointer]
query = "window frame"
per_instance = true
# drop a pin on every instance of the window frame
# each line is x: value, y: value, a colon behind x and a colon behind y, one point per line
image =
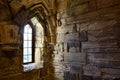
x: 32, y: 46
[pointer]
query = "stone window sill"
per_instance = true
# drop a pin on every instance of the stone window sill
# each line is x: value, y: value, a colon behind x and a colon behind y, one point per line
x: 32, y: 66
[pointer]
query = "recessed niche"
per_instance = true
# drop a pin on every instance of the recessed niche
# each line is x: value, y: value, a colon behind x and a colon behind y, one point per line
x: 10, y: 49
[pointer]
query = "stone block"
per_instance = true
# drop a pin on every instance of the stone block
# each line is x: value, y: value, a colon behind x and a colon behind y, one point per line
x: 4, y: 12
x: 97, y: 50
x: 98, y: 25
x: 83, y: 8
x: 83, y: 26
x: 78, y: 9
x: 110, y: 71
x: 62, y: 6
x: 91, y: 70
x: 76, y: 69
x: 76, y: 2
x: 75, y: 58
x: 10, y: 34
x: 106, y: 3
x: 60, y: 37
x: 102, y: 44
x: 65, y: 29
x: 74, y: 49
x: 72, y: 37
x: 107, y: 32
x: 74, y: 44
x: 102, y: 38
x: 83, y: 36
x: 92, y: 4
x: 104, y: 60
x: 17, y: 76
x: 59, y: 30
x: 70, y: 20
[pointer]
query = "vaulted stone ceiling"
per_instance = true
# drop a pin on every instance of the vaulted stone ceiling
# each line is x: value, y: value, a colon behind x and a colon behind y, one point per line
x: 4, y: 10
x: 9, y: 8
x: 20, y: 12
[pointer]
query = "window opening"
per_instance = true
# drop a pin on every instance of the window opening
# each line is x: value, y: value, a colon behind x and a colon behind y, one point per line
x: 27, y: 44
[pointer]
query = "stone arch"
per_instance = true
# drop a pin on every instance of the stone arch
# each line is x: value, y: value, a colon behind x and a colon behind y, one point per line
x: 42, y: 13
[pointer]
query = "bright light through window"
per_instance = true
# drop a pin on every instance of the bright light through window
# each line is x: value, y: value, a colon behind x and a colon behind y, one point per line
x: 27, y: 44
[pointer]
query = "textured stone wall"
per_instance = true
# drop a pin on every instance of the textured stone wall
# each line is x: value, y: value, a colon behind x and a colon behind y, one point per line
x: 11, y: 59
x: 4, y: 11
x: 87, y: 40
x: 11, y: 53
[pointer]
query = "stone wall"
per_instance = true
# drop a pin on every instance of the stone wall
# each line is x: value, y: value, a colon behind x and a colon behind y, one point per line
x: 87, y: 40
x: 11, y: 43
x: 11, y: 59
x: 10, y: 54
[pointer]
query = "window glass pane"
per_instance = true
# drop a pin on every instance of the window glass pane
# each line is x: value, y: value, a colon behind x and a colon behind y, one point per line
x: 29, y: 58
x: 25, y: 59
x: 29, y: 30
x: 29, y: 36
x: 25, y: 43
x: 26, y: 28
x: 25, y: 36
x: 29, y: 43
x: 25, y: 51
x: 29, y: 50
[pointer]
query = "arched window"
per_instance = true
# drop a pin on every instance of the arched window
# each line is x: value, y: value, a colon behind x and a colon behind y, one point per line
x: 27, y: 44
x: 33, y: 45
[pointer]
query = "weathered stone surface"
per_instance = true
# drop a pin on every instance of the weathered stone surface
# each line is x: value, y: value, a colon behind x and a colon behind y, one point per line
x: 76, y: 69
x: 91, y: 70
x: 77, y: 10
x: 12, y: 77
x: 97, y: 50
x: 108, y: 37
x: 9, y: 60
x: 67, y: 29
x: 101, y: 31
x: 11, y: 31
x: 73, y: 3
x: 102, y: 44
x: 15, y: 5
x: 110, y: 70
x: 103, y: 4
x: 101, y: 25
x: 99, y: 14
x: 75, y: 58
x: 92, y: 4
x: 70, y: 20
x: 60, y: 37
x: 72, y: 37
x: 104, y: 59
x: 62, y: 6
x: 4, y: 11
x: 99, y: 19
x: 99, y: 39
